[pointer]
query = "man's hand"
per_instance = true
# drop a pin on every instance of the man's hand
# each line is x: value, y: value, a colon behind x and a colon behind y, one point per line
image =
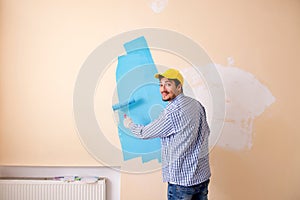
x: 127, y: 121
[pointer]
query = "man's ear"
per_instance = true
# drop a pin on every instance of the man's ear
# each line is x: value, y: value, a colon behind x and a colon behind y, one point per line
x: 179, y: 87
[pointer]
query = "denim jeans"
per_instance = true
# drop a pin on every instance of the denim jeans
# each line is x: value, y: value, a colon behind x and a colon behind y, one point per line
x: 195, y: 192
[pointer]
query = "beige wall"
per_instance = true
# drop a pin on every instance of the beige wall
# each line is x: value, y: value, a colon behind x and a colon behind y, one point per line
x: 44, y: 43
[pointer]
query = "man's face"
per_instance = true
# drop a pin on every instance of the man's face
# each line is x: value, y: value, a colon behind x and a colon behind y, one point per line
x: 168, y: 89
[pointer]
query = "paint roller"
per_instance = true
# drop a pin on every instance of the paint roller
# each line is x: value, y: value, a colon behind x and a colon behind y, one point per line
x: 123, y: 104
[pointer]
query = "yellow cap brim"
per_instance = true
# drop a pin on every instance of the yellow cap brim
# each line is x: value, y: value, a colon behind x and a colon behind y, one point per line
x: 157, y: 75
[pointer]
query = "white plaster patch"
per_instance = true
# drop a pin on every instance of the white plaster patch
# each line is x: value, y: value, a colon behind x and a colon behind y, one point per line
x: 246, y: 98
x: 158, y: 5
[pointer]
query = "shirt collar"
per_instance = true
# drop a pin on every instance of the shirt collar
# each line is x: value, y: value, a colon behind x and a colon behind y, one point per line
x: 177, y: 98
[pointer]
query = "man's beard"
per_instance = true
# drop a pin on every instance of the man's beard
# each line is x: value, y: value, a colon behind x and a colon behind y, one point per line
x: 166, y: 95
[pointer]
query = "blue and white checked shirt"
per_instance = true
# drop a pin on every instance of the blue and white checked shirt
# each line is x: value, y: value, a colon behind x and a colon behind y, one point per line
x: 184, y: 132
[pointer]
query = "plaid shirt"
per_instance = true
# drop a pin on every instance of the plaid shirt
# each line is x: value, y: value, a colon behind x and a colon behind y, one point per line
x: 184, y: 133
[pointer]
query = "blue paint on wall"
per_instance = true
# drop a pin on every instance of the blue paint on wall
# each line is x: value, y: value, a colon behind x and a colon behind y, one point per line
x: 136, y: 84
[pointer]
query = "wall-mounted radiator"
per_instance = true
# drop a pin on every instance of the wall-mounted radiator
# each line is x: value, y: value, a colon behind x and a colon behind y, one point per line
x: 30, y: 189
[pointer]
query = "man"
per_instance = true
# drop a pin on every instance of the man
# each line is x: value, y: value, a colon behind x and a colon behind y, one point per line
x: 184, y: 132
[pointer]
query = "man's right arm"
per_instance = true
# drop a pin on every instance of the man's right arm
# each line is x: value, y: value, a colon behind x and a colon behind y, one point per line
x: 161, y: 127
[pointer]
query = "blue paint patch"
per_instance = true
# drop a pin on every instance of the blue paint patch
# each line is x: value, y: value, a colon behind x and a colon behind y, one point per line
x: 137, y: 86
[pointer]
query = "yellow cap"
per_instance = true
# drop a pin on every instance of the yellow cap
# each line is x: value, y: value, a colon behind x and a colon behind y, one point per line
x: 171, y: 74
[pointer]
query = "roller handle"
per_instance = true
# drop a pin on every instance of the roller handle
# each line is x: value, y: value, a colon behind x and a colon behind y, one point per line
x: 122, y: 105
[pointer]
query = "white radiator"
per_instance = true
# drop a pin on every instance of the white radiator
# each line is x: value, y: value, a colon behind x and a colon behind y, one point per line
x: 51, y: 190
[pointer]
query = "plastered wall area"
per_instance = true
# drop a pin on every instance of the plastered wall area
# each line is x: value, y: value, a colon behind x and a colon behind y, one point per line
x: 254, y: 45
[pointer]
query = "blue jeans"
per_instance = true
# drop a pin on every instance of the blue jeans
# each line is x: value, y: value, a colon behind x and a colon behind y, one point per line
x: 195, y: 192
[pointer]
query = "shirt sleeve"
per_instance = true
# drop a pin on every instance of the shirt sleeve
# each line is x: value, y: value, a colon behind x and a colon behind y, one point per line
x: 161, y: 127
